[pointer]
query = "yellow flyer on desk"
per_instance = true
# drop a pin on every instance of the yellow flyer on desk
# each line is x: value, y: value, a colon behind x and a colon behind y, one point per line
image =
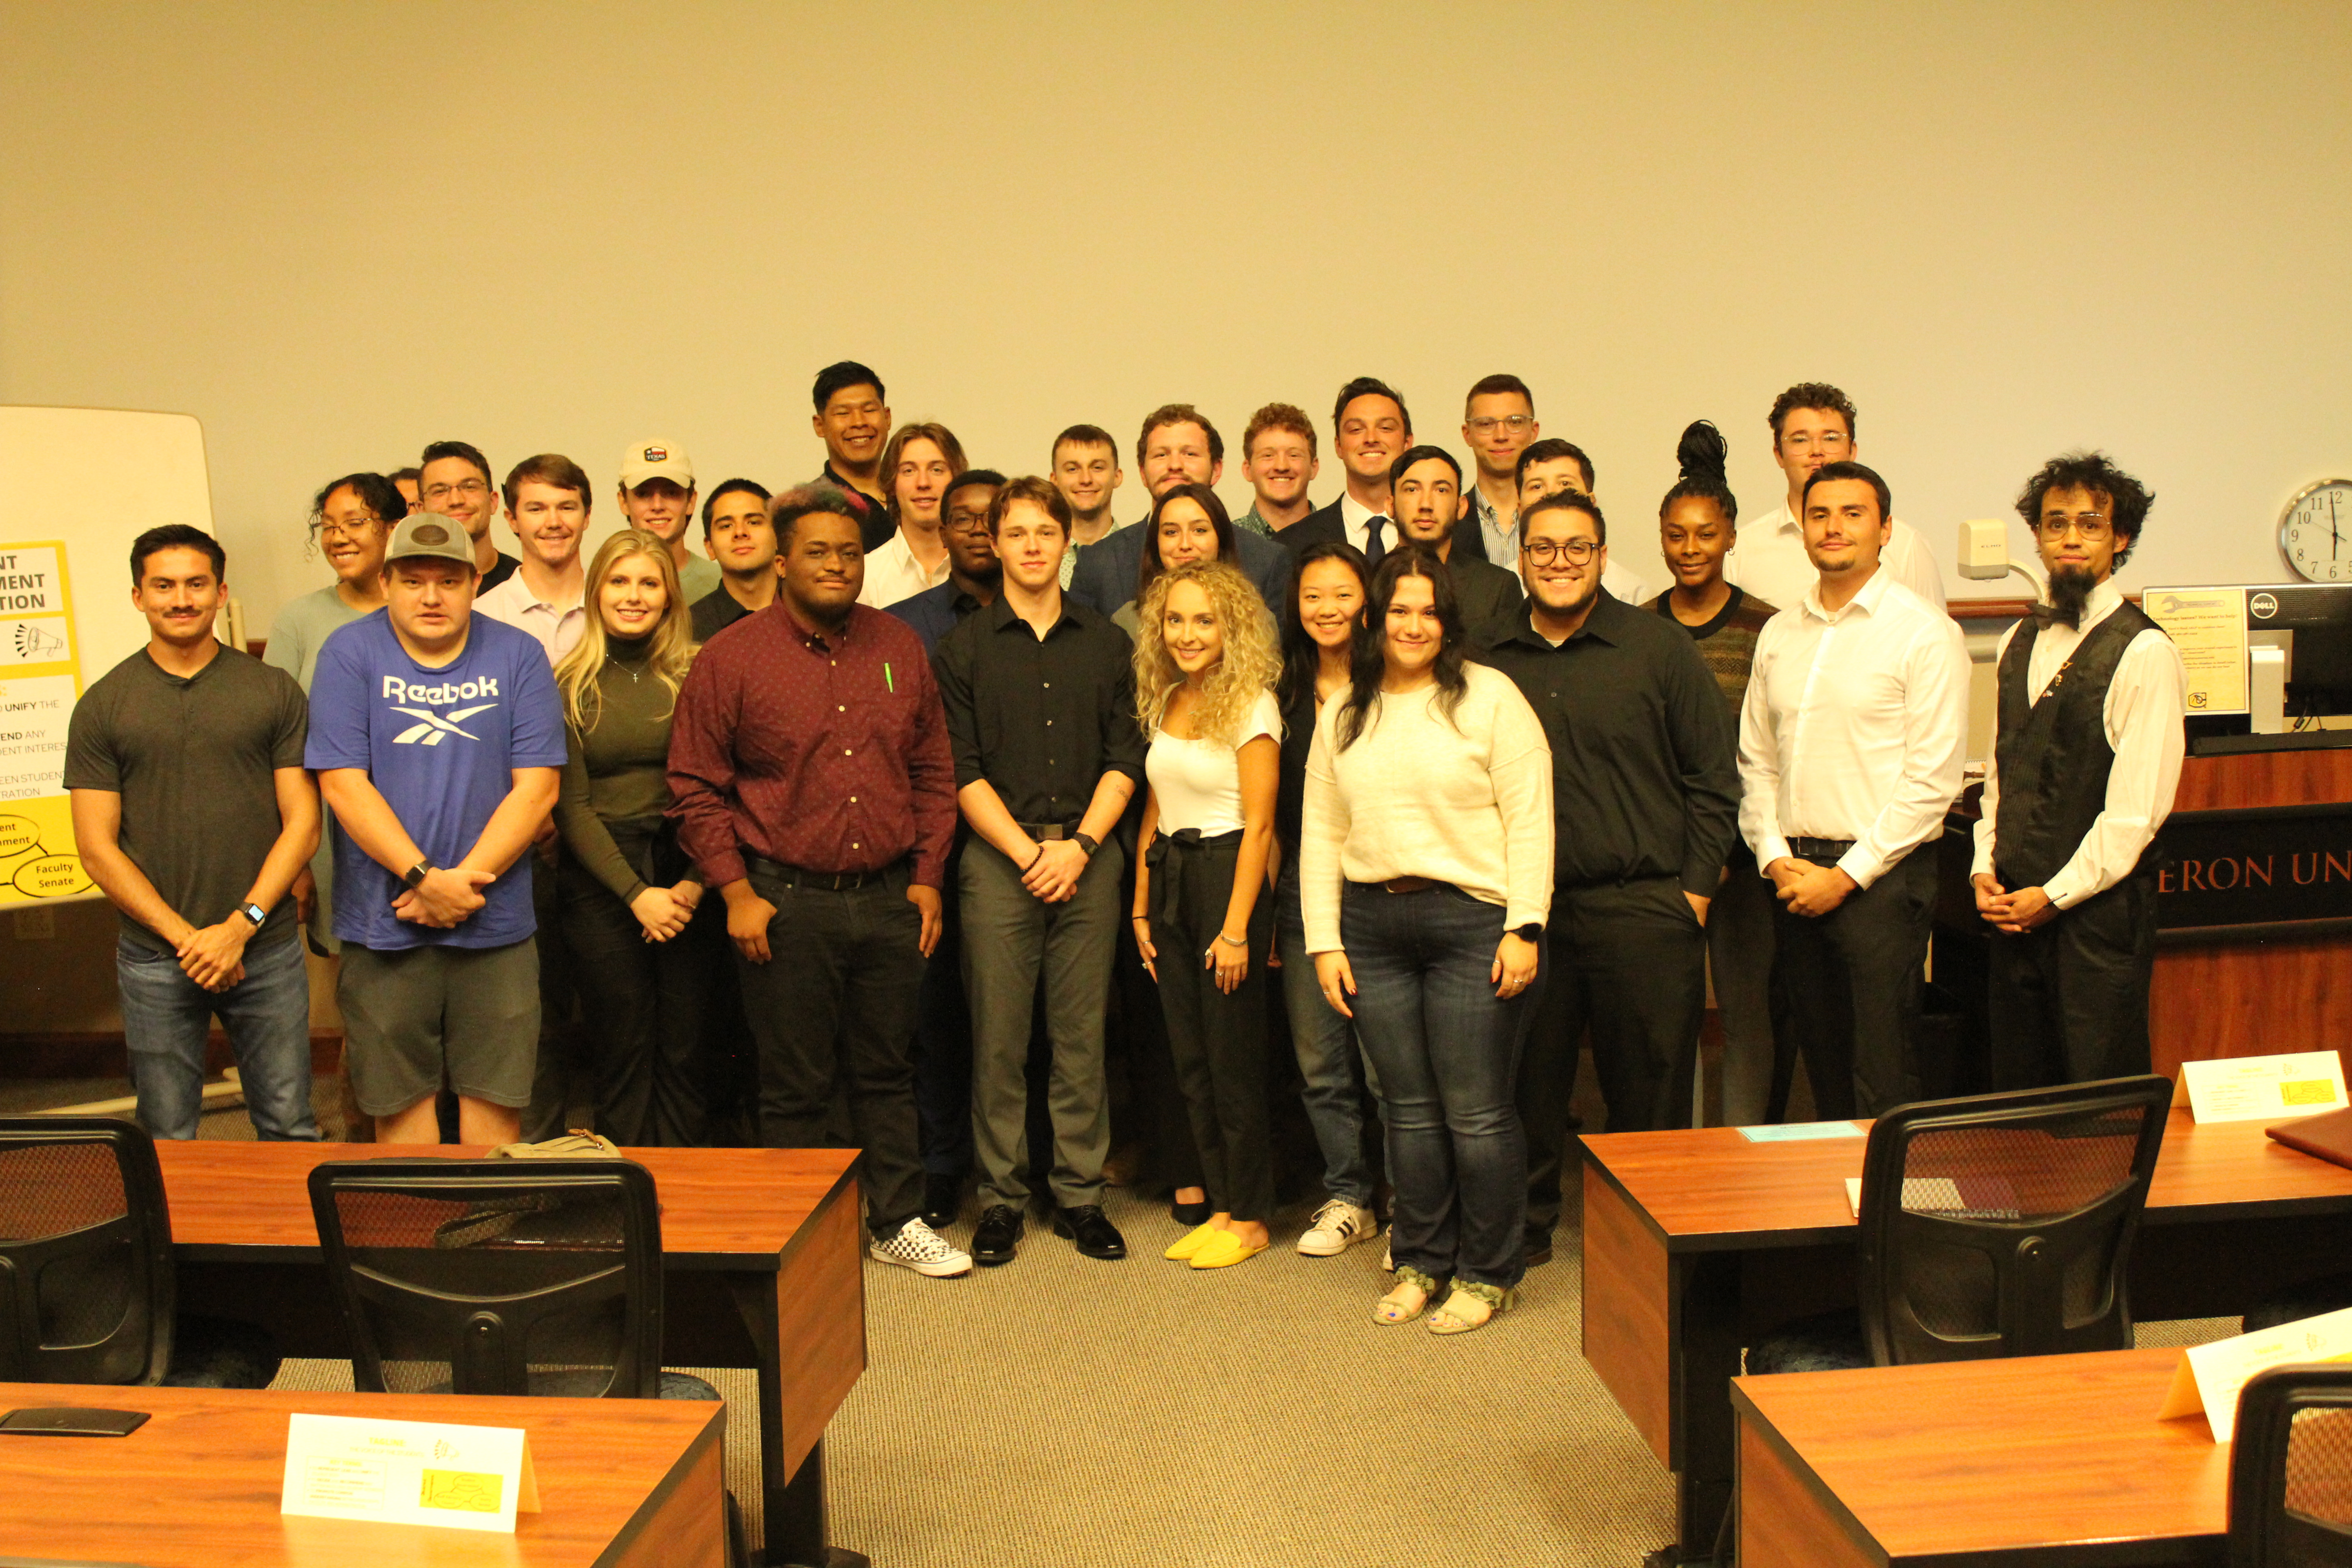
x: 408, y: 1472
x: 2264, y: 1088
x: 2210, y: 1376
x: 40, y: 680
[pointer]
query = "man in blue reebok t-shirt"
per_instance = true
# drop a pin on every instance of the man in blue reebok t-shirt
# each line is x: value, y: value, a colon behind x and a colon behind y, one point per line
x: 437, y: 740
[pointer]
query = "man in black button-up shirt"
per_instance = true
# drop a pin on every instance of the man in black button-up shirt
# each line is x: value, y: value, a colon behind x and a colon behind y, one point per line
x: 1646, y: 794
x: 1040, y: 695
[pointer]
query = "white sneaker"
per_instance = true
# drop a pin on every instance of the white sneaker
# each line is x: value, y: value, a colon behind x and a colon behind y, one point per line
x: 1338, y: 1226
x: 919, y: 1248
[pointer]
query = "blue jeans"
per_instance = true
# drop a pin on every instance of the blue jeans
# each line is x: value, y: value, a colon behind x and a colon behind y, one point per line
x: 1328, y: 1059
x: 166, y: 1016
x: 1445, y: 1050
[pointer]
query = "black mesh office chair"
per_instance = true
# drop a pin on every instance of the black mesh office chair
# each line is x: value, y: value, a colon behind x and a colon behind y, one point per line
x: 2291, y: 1470
x: 1999, y: 1225
x: 87, y: 1291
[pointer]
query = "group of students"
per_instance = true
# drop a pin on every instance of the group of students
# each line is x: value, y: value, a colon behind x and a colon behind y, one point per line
x: 1421, y: 778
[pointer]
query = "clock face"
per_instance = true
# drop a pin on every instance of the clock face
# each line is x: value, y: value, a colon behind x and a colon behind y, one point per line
x: 2316, y: 531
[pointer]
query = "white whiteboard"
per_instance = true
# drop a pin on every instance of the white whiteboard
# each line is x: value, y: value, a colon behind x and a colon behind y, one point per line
x: 89, y: 480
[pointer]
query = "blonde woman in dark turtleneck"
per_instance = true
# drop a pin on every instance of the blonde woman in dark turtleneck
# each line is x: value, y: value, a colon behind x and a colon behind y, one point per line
x: 627, y: 892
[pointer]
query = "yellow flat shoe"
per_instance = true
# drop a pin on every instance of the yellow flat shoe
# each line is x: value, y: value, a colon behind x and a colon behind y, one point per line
x: 1226, y: 1250
x: 1193, y: 1240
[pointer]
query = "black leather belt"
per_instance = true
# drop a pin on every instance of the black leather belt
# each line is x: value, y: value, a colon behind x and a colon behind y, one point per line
x: 1048, y: 832
x: 819, y: 882
x: 1821, y: 851
x: 1402, y: 885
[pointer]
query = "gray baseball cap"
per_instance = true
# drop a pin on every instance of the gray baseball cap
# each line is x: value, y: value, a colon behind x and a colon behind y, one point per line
x: 428, y: 533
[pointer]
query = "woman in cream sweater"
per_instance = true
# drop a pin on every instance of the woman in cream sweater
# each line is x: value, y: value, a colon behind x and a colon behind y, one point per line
x: 1425, y: 876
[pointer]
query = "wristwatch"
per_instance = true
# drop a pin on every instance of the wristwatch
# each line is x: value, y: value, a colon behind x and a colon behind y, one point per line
x: 1087, y: 843
x: 415, y: 876
x: 1530, y: 931
x: 254, y: 913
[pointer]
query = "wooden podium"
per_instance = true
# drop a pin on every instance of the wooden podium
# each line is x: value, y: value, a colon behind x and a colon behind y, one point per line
x: 2253, y: 834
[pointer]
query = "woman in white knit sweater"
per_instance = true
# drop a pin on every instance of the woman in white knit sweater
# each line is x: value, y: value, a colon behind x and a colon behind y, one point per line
x: 1426, y: 875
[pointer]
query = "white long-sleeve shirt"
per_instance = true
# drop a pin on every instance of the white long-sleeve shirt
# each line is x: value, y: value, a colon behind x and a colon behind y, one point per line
x: 2142, y: 716
x: 892, y: 574
x: 1768, y: 558
x: 1463, y: 798
x: 1856, y: 727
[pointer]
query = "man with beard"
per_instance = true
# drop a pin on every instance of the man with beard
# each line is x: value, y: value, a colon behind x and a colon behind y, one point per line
x: 2085, y: 765
x: 1850, y: 749
x: 1178, y: 445
x: 1814, y: 424
x: 1646, y: 803
x: 1425, y: 495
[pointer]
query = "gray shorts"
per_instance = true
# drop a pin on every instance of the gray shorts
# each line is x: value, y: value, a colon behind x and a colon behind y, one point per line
x: 413, y: 1015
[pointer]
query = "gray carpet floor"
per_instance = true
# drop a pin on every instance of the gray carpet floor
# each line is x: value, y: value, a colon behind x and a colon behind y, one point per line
x: 1061, y: 1412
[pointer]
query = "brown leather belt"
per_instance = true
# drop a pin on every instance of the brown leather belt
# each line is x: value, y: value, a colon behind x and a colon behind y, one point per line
x: 1403, y: 885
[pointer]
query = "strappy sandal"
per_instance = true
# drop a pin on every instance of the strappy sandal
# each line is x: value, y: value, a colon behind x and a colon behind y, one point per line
x: 1396, y: 1306
x: 1450, y: 1320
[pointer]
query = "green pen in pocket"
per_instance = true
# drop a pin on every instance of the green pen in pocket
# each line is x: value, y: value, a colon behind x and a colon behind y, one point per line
x: 887, y: 679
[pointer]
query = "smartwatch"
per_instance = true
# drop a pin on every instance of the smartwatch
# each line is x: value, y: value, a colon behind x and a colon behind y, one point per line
x: 1530, y: 931
x: 254, y: 913
x: 414, y: 875
x: 1086, y: 843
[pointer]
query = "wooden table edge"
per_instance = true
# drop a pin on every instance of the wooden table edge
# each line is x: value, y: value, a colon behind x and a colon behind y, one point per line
x: 656, y: 1500
x: 1746, y: 1414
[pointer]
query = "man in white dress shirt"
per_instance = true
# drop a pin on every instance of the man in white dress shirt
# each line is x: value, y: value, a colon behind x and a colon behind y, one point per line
x: 2084, y: 766
x: 1850, y: 751
x: 1370, y: 428
x: 1814, y: 424
x: 918, y: 466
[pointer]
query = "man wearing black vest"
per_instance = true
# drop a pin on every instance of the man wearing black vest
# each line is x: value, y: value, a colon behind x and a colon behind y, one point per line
x: 2085, y: 765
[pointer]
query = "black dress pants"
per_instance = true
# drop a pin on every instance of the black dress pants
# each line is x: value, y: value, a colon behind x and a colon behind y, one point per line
x: 644, y: 1005
x: 2068, y: 999
x: 837, y: 999
x: 1628, y: 962
x: 1217, y: 1040
x: 1850, y: 983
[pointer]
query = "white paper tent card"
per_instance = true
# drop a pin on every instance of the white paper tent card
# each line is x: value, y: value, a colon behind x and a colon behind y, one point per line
x: 2210, y: 1376
x: 408, y: 1472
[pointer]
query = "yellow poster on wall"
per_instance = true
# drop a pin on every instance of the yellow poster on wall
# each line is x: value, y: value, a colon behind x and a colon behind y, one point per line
x: 40, y: 678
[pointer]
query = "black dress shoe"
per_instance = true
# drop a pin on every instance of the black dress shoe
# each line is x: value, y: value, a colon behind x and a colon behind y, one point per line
x: 998, y: 1234
x: 1092, y: 1232
x: 942, y: 1201
x: 1538, y: 1253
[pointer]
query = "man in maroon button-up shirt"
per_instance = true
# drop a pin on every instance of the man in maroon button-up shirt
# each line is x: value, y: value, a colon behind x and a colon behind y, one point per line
x: 813, y: 783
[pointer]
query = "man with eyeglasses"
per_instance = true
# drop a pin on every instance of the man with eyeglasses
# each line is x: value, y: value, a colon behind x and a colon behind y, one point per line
x: 453, y: 479
x: 1370, y: 428
x: 1851, y: 743
x: 1498, y: 421
x: 1646, y: 797
x: 1814, y: 424
x: 2083, y: 774
x: 1547, y: 468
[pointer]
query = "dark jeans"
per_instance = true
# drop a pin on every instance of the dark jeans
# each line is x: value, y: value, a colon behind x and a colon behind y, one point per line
x: 837, y: 1000
x: 1329, y: 1065
x: 561, y: 1079
x: 1009, y: 939
x: 2069, y: 998
x: 1756, y: 1064
x: 1850, y: 983
x: 1217, y: 1040
x: 1445, y: 1050
x: 943, y: 1048
x: 1627, y: 961
x: 643, y: 1007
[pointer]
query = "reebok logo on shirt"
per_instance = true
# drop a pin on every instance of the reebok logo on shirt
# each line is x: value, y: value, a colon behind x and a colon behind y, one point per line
x: 431, y: 728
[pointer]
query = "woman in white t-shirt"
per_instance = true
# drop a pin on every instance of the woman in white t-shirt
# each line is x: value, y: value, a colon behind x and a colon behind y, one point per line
x: 1424, y: 877
x: 1205, y: 664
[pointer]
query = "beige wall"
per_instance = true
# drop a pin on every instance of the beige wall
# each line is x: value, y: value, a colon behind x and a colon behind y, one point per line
x: 335, y: 232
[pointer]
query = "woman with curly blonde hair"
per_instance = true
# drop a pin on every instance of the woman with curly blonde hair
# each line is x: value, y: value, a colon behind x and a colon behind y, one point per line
x: 1205, y: 664
x: 627, y: 891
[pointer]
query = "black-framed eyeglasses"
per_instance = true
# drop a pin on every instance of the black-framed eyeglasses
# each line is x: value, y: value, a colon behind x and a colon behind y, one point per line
x: 1577, y: 551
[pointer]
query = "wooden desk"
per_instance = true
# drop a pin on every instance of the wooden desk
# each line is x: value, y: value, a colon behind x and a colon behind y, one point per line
x: 2043, y: 1460
x: 762, y: 1255
x: 622, y: 1483
x: 1698, y: 1243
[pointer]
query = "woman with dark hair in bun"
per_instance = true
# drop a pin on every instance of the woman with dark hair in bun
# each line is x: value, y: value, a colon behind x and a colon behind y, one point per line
x: 1697, y: 525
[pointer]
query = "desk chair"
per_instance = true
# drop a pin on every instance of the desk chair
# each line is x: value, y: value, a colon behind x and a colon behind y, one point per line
x: 1999, y: 1225
x: 2291, y: 1470
x: 502, y: 1276
x: 87, y: 1291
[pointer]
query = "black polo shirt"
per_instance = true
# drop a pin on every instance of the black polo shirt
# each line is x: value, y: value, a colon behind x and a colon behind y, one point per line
x: 1042, y: 720
x: 715, y: 612
x: 1643, y: 778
